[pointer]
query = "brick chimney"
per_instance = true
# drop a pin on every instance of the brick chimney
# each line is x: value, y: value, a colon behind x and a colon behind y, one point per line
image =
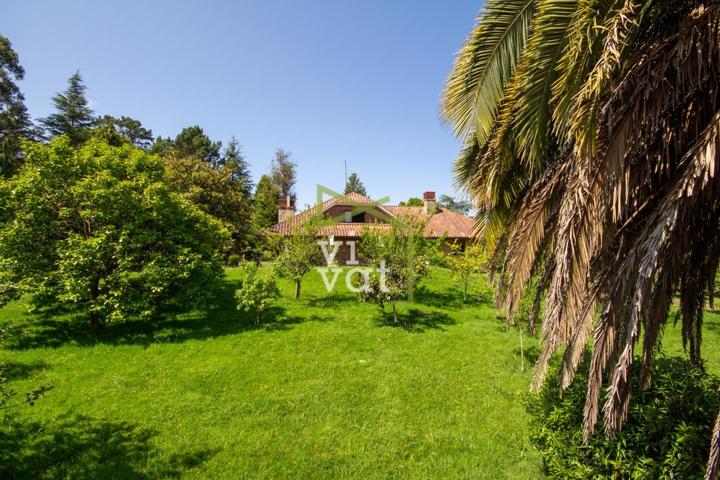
x: 286, y: 208
x: 429, y: 204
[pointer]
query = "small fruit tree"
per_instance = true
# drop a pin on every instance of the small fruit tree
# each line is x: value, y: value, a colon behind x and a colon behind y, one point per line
x: 465, y: 264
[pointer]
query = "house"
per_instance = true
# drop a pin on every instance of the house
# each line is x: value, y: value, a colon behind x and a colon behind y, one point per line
x: 355, y: 212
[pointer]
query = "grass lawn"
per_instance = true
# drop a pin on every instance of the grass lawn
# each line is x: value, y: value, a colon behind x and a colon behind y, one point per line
x: 325, y: 389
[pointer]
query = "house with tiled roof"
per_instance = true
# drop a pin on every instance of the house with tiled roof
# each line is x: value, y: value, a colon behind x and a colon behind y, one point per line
x: 354, y: 213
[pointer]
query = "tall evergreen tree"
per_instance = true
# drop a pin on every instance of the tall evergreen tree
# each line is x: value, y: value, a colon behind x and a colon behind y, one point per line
x: 284, y: 173
x: 265, y: 203
x: 14, y: 119
x: 233, y: 159
x: 74, y: 117
x: 132, y: 129
x: 192, y: 142
x: 161, y: 146
x: 354, y: 184
x: 460, y: 206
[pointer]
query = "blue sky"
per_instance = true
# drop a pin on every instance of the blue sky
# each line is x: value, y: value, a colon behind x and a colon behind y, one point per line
x: 330, y: 81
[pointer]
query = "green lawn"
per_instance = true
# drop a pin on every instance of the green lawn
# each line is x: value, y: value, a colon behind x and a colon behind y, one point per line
x: 326, y: 389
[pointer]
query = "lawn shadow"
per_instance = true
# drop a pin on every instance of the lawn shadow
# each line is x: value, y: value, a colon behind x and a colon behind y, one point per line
x: 20, y: 371
x: 450, y: 299
x: 219, y: 318
x: 86, y: 448
x: 417, y: 321
x: 532, y: 353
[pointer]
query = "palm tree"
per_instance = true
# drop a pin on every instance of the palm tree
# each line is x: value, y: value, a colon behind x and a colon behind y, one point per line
x: 591, y: 132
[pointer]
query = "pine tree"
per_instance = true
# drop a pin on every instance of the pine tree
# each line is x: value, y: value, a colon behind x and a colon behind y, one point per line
x: 284, y: 173
x: 192, y: 142
x: 74, y: 117
x: 14, y: 119
x: 265, y: 203
x: 354, y: 184
x: 233, y: 158
x: 132, y: 129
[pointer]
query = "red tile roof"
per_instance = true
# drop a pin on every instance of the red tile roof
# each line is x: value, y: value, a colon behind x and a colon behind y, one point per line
x: 441, y: 222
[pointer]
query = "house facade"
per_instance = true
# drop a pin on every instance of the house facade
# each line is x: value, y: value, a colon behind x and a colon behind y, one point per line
x: 353, y: 213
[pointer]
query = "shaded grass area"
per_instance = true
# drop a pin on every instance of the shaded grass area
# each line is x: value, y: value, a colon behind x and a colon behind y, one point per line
x: 326, y: 388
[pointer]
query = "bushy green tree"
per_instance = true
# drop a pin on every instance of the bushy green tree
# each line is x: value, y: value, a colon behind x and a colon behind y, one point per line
x: 354, y: 184
x: 216, y: 190
x: 129, y: 129
x: 100, y: 228
x: 265, y: 203
x: 258, y: 291
x: 400, y: 257
x: 73, y: 117
x: 192, y: 142
x: 15, y: 122
x: 300, y: 252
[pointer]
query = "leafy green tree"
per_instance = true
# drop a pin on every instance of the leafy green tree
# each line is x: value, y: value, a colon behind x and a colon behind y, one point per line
x: 99, y: 228
x: 590, y: 141
x: 412, y: 202
x: 15, y: 122
x: 74, y: 117
x: 283, y: 173
x: 216, y: 191
x: 161, y: 146
x: 265, y: 203
x: 399, y: 256
x: 258, y: 291
x: 300, y: 252
x: 192, y: 142
x: 129, y: 128
x: 460, y: 206
x: 354, y: 184
x: 465, y: 264
x: 234, y: 160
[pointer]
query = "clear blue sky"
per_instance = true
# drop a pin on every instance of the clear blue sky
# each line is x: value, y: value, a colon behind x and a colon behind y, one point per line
x: 327, y: 80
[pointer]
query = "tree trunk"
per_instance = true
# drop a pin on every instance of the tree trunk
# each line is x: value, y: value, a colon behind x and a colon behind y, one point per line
x: 297, y: 289
x: 394, y: 313
x: 94, y: 322
x: 465, y: 293
x: 257, y: 317
x: 522, y: 352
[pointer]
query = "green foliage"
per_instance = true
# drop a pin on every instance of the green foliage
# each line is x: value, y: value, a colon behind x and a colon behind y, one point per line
x: 129, y: 129
x: 265, y: 204
x: 465, y: 264
x: 300, y: 252
x: 233, y: 260
x: 15, y: 122
x: 258, y: 291
x: 283, y: 173
x: 100, y: 228
x: 460, y: 206
x: 666, y: 435
x: 216, y: 190
x: 74, y: 117
x: 412, y: 202
x: 234, y: 160
x: 400, y: 254
x: 354, y: 184
x: 192, y: 142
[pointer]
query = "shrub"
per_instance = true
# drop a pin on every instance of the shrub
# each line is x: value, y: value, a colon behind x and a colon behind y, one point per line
x: 464, y: 264
x: 666, y: 435
x: 258, y: 291
x: 233, y: 260
x: 100, y: 228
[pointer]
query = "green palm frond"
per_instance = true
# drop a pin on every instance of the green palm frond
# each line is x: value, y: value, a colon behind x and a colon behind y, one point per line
x: 484, y: 65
